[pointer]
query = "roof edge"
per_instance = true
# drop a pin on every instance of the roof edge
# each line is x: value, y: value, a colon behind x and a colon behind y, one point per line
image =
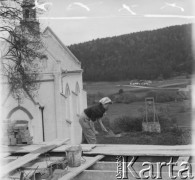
x: 62, y: 44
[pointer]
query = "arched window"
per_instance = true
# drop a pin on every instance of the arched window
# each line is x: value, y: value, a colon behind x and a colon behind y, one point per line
x: 77, y: 89
x: 67, y: 90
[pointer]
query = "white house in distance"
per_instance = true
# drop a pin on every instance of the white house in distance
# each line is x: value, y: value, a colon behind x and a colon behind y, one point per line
x: 55, y: 111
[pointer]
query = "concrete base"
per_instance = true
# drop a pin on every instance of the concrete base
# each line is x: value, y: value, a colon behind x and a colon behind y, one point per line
x: 151, y: 127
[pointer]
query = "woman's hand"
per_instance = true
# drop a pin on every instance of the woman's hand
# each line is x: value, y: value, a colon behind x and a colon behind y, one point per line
x: 96, y: 132
x: 102, y: 126
x: 104, y: 129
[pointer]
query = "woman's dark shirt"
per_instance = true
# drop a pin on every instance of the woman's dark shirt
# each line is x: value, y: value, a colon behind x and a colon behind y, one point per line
x: 95, y: 112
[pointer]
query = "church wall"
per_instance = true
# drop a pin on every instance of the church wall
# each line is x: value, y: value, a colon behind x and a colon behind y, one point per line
x: 59, y: 54
x: 46, y: 99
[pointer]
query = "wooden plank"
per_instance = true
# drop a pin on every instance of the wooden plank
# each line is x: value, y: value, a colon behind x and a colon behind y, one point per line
x: 129, y: 150
x: 140, y: 153
x: 147, y: 147
x: 8, y: 159
x: 40, y: 165
x: 122, y: 147
x: 31, y: 156
x: 3, y: 155
x: 80, y: 169
x: 85, y: 148
x: 28, y: 174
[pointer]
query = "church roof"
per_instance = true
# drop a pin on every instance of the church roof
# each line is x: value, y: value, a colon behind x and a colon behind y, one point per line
x: 62, y: 44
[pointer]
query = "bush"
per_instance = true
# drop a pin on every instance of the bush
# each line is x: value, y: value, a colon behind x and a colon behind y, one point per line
x: 124, y: 98
x: 125, y: 123
x: 121, y: 91
x: 163, y: 96
x: 167, y: 124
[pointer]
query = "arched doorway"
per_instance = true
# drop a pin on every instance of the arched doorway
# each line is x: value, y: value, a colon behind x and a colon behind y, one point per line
x: 22, y: 126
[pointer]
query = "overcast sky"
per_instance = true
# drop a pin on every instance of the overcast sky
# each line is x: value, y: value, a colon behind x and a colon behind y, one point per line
x: 76, y: 21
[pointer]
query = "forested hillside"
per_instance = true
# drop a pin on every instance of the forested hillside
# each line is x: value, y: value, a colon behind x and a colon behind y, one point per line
x: 142, y: 55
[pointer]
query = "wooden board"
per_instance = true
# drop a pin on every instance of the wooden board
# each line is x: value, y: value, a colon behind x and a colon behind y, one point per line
x: 21, y: 148
x: 81, y: 168
x: 31, y: 156
x: 147, y: 147
x: 85, y: 148
x: 40, y: 165
x: 3, y: 155
x: 117, y: 147
x: 141, y: 150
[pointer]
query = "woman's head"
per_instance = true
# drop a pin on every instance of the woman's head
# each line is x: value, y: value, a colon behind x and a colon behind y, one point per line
x: 106, y: 101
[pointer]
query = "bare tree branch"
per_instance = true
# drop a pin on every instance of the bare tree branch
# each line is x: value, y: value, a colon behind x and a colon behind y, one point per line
x: 23, y: 46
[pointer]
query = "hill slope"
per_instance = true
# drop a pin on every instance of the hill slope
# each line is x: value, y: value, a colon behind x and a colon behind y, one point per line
x: 142, y: 55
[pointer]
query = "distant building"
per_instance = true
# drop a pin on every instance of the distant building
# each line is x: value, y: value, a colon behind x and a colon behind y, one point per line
x: 54, y: 112
x: 140, y: 82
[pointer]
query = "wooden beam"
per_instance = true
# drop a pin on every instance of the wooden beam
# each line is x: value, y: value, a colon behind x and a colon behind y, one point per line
x: 148, y: 149
x: 81, y: 168
x: 40, y: 165
x: 85, y: 148
x: 31, y: 156
x: 141, y: 150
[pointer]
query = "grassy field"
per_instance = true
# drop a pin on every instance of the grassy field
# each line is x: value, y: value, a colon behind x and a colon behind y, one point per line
x: 108, y: 88
x: 175, y: 109
x: 180, y: 111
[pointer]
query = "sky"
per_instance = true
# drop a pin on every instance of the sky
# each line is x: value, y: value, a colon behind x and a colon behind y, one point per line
x: 76, y: 21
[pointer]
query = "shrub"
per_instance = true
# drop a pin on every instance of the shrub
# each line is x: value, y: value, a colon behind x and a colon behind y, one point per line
x: 124, y: 98
x: 167, y: 124
x: 121, y: 91
x: 125, y: 123
x: 162, y: 96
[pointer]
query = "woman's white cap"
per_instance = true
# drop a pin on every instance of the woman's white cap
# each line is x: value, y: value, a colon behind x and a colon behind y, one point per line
x: 105, y: 100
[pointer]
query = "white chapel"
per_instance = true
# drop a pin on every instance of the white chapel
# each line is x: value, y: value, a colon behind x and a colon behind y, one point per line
x: 54, y: 112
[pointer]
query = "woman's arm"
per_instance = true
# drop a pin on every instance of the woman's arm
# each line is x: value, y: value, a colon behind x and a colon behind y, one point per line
x: 102, y: 126
x: 93, y: 127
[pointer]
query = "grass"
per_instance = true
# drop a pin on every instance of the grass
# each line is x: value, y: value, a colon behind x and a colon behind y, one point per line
x: 106, y: 88
x: 172, y: 109
x: 180, y: 111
